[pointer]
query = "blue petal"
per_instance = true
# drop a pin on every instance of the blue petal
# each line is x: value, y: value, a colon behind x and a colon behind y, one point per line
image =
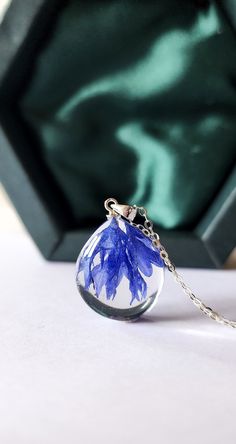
x: 121, y: 253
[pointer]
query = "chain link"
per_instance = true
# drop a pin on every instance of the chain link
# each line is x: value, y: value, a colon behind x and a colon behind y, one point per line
x: 147, y: 230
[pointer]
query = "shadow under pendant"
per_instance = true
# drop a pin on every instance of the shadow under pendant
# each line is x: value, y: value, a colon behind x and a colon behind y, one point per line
x: 119, y: 273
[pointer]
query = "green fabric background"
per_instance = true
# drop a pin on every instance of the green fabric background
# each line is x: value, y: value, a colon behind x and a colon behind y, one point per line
x: 137, y: 100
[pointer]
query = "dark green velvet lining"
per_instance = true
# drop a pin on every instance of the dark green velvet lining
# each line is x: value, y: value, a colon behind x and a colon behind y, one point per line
x: 137, y: 100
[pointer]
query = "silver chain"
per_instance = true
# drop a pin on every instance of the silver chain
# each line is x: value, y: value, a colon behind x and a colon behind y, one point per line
x: 147, y: 230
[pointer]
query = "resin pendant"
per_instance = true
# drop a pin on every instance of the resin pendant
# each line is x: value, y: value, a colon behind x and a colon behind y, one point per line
x: 119, y: 273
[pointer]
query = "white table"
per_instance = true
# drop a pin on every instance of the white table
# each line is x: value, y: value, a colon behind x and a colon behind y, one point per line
x: 70, y: 376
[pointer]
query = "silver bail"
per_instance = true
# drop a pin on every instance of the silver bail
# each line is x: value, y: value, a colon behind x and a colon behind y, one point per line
x: 127, y: 211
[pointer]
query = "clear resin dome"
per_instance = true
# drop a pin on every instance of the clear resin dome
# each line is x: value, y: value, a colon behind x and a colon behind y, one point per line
x: 119, y: 273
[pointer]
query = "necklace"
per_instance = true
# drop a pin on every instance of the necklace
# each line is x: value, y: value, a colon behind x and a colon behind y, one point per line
x: 120, y: 270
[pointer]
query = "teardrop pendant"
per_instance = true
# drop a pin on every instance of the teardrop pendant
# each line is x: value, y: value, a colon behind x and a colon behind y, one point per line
x: 119, y: 273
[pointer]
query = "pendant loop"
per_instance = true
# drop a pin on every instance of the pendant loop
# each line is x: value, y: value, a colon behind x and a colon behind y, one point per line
x: 108, y: 205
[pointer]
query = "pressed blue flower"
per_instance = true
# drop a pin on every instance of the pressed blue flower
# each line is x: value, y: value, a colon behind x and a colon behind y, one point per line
x: 121, y: 254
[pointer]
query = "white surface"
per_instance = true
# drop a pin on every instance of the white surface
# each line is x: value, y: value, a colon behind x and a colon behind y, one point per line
x: 67, y: 375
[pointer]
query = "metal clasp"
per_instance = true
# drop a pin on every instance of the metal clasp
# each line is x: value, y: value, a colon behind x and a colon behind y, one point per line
x: 127, y: 211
